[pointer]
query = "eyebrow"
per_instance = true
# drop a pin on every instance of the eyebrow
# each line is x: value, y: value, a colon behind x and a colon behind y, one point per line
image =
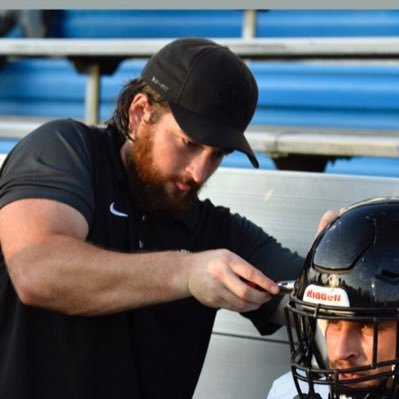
x: 216, y: 149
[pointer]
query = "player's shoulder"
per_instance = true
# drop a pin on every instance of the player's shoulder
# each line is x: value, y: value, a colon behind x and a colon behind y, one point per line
x: 283, y: 387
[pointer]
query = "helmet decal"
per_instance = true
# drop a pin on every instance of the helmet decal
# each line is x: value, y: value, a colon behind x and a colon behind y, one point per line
x: 326, y: 296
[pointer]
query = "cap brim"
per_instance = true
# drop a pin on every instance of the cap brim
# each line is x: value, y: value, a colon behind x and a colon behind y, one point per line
x: 213, y: 133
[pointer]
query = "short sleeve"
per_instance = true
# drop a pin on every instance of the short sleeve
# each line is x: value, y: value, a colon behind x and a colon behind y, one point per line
x: 52, y: 162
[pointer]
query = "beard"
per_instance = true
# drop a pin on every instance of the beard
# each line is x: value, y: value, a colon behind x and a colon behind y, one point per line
x: 147, y: 184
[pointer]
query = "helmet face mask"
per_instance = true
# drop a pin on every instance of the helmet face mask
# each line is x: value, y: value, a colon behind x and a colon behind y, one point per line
x: 307, y: 327
x: 351, y: 275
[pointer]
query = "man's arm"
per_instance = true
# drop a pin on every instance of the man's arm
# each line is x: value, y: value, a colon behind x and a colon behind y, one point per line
x: 52, y: 266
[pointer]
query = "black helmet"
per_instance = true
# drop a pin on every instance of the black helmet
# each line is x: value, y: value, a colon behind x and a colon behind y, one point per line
x: 351, y: 273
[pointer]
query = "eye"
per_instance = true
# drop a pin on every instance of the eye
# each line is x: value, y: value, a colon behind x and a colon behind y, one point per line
x: 367, y: 325
x: 219, y: 154
x: 334, y: 325
x: 188, y: 143
x: 367, y: 328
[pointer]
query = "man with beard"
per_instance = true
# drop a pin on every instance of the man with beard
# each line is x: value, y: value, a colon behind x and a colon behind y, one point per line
x: 344, y: 310
x: 113, y: 269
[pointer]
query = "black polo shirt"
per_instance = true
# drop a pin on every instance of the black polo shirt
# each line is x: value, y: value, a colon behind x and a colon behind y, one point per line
x: 151, y: 352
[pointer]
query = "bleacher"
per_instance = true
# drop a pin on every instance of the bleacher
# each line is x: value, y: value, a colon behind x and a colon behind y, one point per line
x: 315, y: 93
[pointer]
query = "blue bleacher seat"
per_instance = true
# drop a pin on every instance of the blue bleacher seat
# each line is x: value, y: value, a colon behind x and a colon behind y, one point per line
x: 365, y: 166
x: 146, y: 23
x: 327, y: 23
x: 362, y: 166
x: 292, y: 93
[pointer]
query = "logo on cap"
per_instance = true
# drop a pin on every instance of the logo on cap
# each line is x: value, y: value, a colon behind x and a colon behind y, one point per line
x: 159, y: 84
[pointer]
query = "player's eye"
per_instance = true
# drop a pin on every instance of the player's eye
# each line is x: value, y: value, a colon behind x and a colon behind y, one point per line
x: 334, y: 323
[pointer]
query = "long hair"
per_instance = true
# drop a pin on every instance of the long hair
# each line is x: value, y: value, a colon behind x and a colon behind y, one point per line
x: 119, y: 122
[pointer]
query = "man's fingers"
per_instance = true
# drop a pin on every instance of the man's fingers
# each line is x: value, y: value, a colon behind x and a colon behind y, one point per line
x: 244, y: 298
x: 327, y: 218
x: 223, y: 279
x: 254, y: 277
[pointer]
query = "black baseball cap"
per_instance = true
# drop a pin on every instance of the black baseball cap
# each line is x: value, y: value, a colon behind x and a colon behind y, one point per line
x: 210, y: 90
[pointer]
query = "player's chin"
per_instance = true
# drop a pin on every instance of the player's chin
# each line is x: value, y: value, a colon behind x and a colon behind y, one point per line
x: 349, y: 381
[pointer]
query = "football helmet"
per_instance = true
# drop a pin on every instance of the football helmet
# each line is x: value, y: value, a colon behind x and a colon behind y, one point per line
x: 350, y: 273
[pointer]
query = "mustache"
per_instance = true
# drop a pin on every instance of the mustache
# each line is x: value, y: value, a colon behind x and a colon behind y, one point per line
x: 189, y: 181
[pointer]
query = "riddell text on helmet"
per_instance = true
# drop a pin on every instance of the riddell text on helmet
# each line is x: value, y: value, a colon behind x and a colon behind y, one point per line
x: 326, y: 295
x: 323, y: 296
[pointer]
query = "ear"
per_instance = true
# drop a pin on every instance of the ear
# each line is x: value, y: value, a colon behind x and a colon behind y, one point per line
x: 139, y: 110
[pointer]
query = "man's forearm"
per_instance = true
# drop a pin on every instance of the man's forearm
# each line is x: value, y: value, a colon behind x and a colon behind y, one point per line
x: 69, y: 275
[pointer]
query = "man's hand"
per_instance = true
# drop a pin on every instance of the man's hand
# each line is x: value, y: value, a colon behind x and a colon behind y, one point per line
x: 222, y: 279
x: 327, y: 218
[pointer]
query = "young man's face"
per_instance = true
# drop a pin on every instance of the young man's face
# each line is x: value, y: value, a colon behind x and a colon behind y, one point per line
x: 350, y: 344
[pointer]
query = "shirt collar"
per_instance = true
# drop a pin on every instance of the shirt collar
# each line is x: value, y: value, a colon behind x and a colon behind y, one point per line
x: 190, y: 218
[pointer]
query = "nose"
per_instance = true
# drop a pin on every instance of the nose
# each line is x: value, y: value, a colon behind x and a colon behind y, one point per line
x: 343, y: 345
x: 201, y: 167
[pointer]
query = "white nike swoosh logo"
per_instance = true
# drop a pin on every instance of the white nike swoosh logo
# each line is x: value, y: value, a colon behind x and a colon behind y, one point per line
x: 116, y: 212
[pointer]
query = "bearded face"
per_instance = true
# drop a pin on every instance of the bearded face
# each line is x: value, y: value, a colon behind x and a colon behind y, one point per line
x: 149, y: 185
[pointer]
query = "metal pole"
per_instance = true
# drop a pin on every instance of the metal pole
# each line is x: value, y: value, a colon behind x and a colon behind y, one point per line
x: 249, y: 24
x: 92, y: 99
